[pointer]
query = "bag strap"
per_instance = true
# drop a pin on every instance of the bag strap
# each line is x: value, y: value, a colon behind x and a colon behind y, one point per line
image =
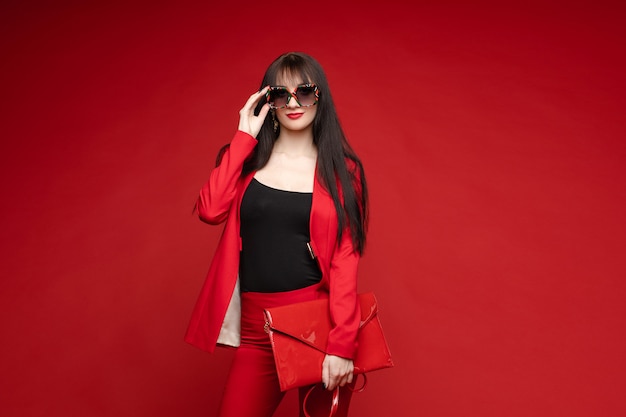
x: 334, y: 405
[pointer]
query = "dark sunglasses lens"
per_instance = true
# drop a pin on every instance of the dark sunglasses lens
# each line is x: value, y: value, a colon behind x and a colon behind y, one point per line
x: 306, y: 95
x: 278, y: 97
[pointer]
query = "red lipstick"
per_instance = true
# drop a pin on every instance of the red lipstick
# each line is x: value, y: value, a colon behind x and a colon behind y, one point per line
x: 294, y: 116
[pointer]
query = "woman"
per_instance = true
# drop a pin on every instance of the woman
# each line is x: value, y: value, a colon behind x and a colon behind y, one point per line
x: 293, y: 195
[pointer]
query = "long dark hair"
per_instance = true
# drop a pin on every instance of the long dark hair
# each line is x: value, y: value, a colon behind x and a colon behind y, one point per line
x: 338, y: 167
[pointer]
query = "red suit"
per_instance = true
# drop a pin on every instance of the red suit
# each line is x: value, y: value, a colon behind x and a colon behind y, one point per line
x: 220, y: 200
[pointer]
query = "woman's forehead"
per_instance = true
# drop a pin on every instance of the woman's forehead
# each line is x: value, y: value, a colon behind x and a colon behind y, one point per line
x: 291, y: 78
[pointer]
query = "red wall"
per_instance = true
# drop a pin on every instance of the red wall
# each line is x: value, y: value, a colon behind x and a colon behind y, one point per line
x: 494, y: 143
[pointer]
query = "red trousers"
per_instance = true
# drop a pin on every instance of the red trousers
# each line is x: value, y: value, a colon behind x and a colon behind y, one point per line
x: 252, y: 388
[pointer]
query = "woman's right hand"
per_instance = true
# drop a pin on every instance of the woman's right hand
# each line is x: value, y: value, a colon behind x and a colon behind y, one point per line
x: 248, y: 122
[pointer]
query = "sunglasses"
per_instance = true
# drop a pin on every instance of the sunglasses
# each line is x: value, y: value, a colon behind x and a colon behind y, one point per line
x: 306, y: 95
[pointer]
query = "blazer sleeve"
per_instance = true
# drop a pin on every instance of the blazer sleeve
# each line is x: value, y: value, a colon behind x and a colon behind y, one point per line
x: 344, y: 307
x: 219, y: 191
x: 344, y: 304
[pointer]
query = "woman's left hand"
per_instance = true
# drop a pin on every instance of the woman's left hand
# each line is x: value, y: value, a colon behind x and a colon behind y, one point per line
x: 336, y: 371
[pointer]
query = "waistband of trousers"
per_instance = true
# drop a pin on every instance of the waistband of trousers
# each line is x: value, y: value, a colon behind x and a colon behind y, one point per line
x: 261, y: 300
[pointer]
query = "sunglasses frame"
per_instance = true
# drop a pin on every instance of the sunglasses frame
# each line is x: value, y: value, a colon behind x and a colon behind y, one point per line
x: 292, y: 94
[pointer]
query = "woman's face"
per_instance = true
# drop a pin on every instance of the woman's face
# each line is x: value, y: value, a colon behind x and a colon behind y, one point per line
x: 294, y: 116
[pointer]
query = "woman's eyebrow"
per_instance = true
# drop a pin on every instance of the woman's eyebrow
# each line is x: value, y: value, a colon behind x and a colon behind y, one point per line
x: 295, y: 84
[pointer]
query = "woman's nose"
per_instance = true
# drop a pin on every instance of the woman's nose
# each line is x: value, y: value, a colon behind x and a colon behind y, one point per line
x: 293, y: 102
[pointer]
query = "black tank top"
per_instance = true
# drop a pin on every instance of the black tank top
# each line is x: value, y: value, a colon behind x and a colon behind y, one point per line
x: 274, y: 233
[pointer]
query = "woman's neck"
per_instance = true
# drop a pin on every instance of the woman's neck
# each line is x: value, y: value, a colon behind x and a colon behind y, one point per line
x: 295, y: 143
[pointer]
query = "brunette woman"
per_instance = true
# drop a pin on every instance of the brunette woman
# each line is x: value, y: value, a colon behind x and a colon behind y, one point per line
x: 293, y: 197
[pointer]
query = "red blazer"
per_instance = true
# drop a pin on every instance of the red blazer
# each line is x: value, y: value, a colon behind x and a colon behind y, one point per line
x: 219, y: 201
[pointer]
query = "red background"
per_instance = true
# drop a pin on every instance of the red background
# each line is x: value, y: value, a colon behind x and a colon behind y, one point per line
x: 493, y: 139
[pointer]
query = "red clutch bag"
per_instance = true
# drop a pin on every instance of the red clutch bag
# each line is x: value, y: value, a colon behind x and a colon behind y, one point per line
x: 299, y: 333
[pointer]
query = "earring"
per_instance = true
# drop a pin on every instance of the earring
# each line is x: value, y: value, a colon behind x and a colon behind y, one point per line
x: 274, y: 121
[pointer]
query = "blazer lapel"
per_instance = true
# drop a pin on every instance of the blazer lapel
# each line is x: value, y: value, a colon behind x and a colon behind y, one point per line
x: 323, y: 226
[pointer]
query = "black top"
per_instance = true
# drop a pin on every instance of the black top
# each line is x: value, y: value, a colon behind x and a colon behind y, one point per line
x: 274, y: 234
